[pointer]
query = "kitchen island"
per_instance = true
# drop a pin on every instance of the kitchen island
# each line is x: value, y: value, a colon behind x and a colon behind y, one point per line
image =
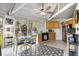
x: 48, y: 36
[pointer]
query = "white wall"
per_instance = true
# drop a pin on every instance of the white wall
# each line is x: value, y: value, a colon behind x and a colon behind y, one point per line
x: 59, y: 30
x: 58, y: 33
x: 40, y: 25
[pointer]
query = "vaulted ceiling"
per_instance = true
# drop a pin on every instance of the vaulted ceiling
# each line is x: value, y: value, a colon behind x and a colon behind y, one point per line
x: 31, y: 11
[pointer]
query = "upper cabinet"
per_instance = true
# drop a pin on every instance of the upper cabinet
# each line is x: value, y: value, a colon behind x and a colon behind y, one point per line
x: 71, y: 21
x: 52, y: 24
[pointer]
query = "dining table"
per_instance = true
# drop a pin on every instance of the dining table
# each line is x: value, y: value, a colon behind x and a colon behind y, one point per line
x: 24, y: 41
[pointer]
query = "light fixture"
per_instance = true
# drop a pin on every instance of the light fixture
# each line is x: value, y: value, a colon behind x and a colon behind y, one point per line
x: 43, y: 13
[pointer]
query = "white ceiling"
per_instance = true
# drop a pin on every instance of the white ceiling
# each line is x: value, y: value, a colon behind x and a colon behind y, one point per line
x: 68, y: 13
x: 30, y: 10
x: 4, y: 8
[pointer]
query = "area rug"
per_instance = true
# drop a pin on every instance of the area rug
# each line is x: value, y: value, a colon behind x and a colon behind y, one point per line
x: 42, y: 50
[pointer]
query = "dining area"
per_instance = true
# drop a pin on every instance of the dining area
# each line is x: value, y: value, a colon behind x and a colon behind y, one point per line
x: 23, y: 42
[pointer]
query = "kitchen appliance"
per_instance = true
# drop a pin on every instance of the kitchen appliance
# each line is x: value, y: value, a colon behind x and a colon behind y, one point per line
x: 44, y: 36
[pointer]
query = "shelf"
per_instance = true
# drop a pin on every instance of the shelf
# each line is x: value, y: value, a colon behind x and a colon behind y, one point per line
x: 74, y: 43
x: 73, y: 50
x: 72, y: 53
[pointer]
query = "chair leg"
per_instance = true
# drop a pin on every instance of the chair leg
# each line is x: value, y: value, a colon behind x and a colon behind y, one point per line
x: 16, y: 50
x: 30, y: 49
x: 13, y: 50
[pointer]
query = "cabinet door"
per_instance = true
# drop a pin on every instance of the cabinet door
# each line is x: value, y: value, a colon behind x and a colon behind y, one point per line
x: 52, y: 24
x: 56, y: 24
x: 39, y: 38
x: 51, y: 36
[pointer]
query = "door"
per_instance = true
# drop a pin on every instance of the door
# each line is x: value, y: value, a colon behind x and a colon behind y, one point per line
x: 64, y: 35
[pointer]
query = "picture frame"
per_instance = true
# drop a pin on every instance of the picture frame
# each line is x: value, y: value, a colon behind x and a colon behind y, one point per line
x: 9, y: 21
x: 8, y: 29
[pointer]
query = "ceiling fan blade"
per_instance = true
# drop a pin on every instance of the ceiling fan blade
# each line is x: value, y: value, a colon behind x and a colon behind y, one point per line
x: 42, y: 6
x: 49, y: 12
x: 55, y: 8
x: 37, y: 12
x: 47, y: 8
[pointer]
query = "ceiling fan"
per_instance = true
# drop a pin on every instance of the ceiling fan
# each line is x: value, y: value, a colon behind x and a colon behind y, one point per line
x: 44, y: 11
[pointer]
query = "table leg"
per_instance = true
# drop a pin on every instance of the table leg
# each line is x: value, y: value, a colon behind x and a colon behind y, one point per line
x: 16, y: 50
x: 31, y: 50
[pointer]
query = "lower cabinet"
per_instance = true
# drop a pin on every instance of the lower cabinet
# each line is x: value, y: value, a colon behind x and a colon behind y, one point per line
x: 50, y: 37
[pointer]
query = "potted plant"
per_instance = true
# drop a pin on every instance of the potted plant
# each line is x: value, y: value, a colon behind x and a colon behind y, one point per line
x: 24, y: 29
